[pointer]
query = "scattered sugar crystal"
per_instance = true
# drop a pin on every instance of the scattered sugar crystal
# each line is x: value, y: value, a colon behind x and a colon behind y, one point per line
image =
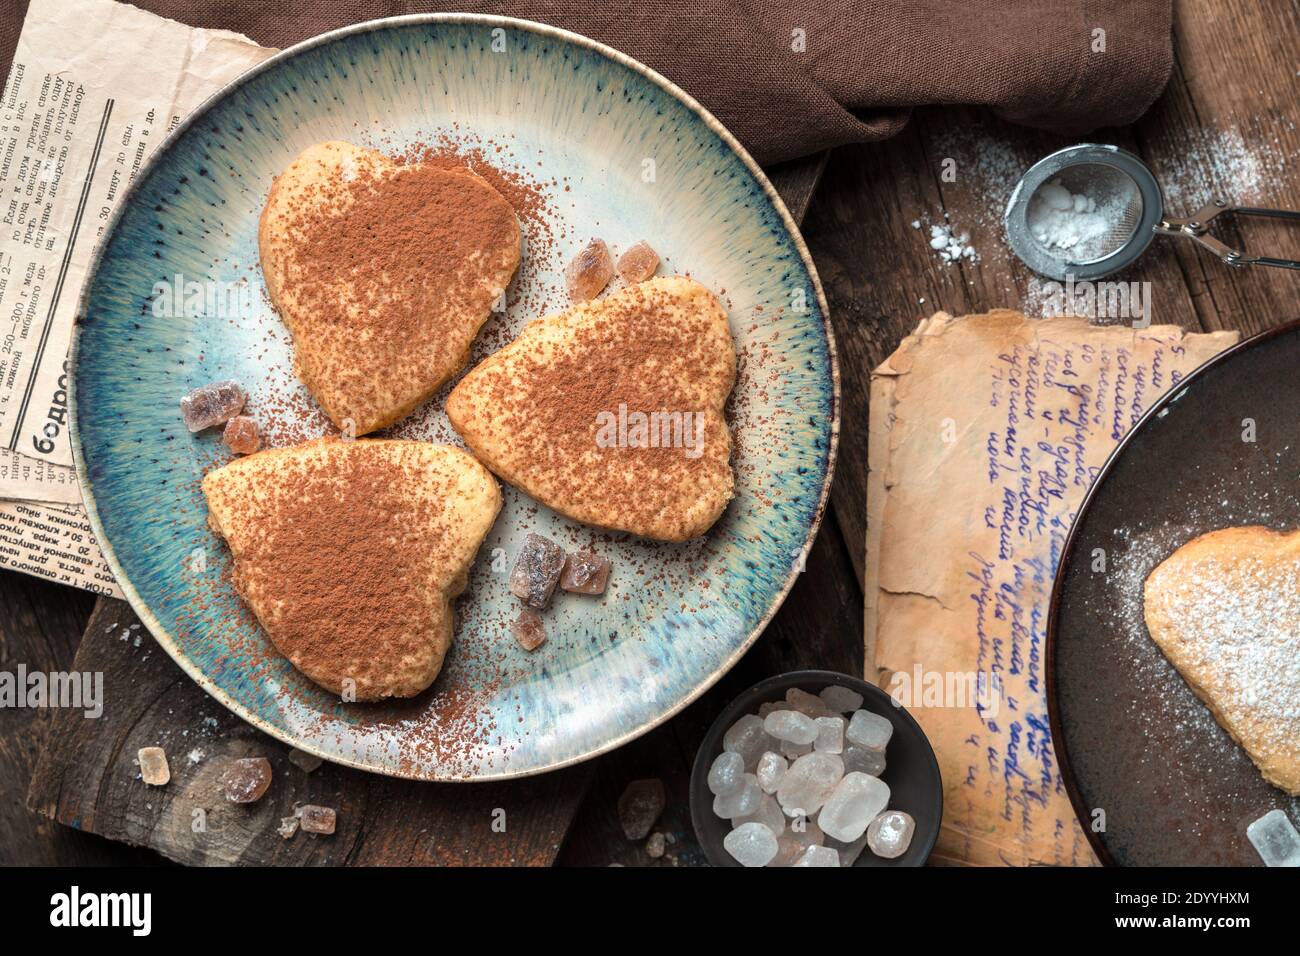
x: 890, y: 834
x: 856, y: 801
x: 585, y: 572
x: 590, y: 271
x: 768, y: 812
x: 740, y: 802
x: 638, y: 263
x: 808, y: 782
x: 537, y: 570
x: 307, y: 763
x: 771, y: 768
x: 528, y: 629
x: 725, y: 773
x: 153, y: 766
x: 819, y: 856
x: 245, y: 780
x: 849, y: 852
x: 241, y: 435
x: 805, y: 703
x: 748, y: 738
x: 288, y: 826
x: 830, y: 735
x: 655, y: 846
x: 800, y: 834
x: 840, y: 700
x: 790, y: 725
x: 869, y: 730
x: 864, y: 760
x: 751, y: 844
x: 314, y: 819
x: 211, y: 405
x: 951, y: 245
x: 1275, y: 839
x: 639, y: 807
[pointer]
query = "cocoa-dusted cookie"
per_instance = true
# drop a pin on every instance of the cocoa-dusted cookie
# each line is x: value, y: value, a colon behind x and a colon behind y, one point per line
x: 350, y: 553
x: 384, y: 273
x: 613, y: 413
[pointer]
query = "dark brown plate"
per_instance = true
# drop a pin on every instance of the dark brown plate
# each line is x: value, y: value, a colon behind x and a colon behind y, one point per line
x: 1132, y: 738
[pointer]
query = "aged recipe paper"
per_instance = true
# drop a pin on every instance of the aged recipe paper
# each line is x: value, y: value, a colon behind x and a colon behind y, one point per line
x: 985, y: 433
x: 95, y: 86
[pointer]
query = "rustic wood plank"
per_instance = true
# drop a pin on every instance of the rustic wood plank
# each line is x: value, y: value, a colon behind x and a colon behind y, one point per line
x: 87, y: 779
x: 40, y: 625
x: 1228, y: 125
x: 796, y: 181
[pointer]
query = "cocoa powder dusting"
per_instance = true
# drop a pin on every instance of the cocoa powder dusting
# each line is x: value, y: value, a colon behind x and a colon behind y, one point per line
x: 643, y: 355
x: 292, y: 417
x: 382, y: 261
x: 337, y: 554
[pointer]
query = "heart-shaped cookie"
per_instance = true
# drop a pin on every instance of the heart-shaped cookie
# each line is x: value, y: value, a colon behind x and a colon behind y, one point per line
x: 613, y: 413
x: 1225, y: 609
x: 350, y: 553
x: 384, y: 273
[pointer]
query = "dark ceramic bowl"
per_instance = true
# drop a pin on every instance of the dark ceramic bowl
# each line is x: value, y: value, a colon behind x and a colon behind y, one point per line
x: 911, y: 769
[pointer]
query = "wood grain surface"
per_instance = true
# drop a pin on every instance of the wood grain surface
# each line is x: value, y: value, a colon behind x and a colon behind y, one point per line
x: 1226, y: 125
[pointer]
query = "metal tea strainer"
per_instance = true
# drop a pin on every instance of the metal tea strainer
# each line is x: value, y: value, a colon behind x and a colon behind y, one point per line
x: 1134, y: 215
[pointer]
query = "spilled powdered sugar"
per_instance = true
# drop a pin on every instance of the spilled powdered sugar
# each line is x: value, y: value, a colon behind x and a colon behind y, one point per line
x: 1130, y: 568
x: 1224, y: 163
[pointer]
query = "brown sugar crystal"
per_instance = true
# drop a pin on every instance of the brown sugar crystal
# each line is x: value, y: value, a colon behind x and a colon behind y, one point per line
x: 638, y: 263
x: 211, y: 405
x: 316, y: 819
x: 241, y: 435
x: 529, y: 630
x: 154, y: 769
x: 537, y: 571
x: 246, y: 780
x: 590, y: 271
x: 585, y: 572
x: 307, y: 763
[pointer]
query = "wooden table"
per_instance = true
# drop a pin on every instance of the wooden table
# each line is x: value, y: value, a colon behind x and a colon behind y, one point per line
x: 1233, y: 94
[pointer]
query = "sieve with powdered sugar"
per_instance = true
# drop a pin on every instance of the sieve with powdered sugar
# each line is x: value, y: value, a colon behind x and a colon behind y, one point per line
x: 1090, y: 210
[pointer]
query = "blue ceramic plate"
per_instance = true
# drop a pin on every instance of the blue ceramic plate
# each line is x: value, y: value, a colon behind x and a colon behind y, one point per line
x: 595, y: 145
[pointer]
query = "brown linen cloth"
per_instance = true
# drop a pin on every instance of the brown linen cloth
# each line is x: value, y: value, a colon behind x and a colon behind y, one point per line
x: 864, y: 62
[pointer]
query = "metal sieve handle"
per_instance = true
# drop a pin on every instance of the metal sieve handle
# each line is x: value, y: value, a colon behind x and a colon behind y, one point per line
x: 1196, y: 227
